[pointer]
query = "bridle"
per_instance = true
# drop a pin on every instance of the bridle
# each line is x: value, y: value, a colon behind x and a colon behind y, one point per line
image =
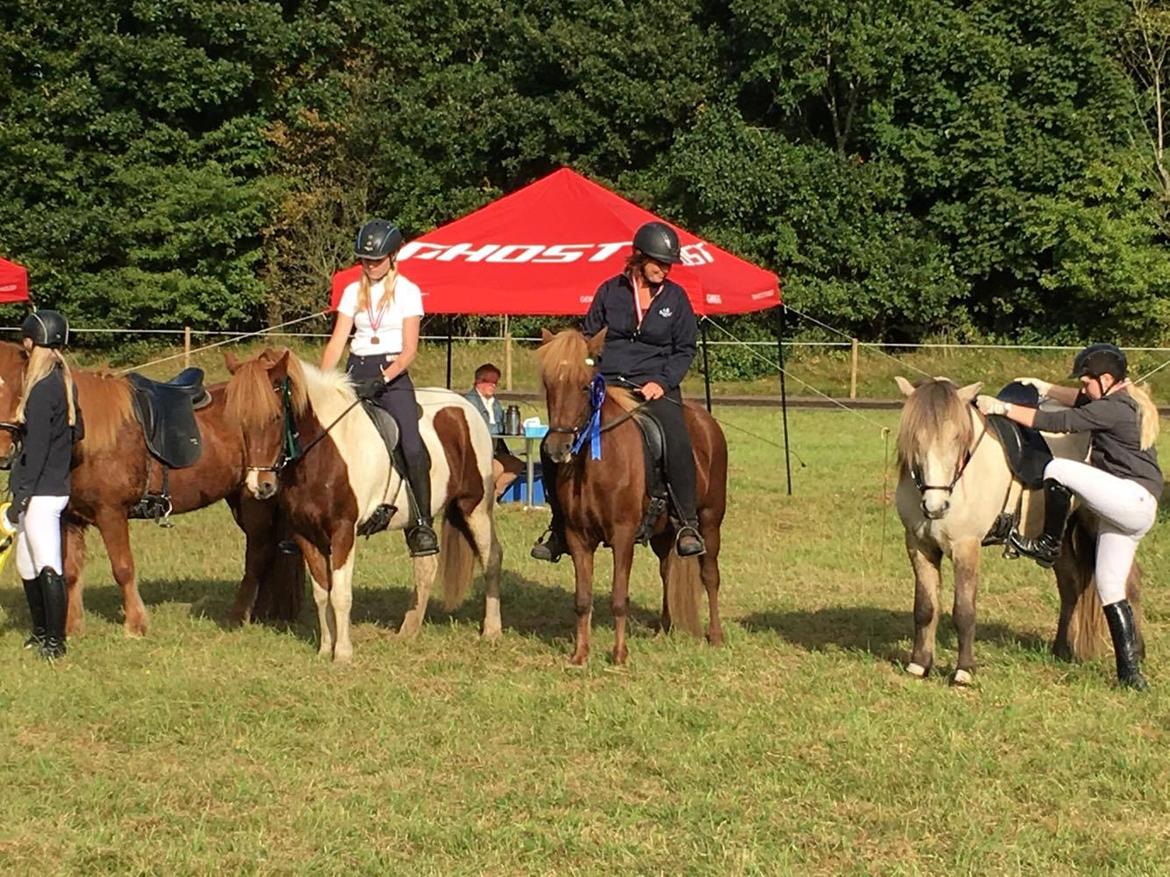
x: 960, y: 468
x: 580, y: 431
x: 290, y: 440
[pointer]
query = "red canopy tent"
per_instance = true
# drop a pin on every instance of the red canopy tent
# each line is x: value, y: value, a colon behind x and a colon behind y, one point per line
x: 544, y: 250
x: 13, y: 282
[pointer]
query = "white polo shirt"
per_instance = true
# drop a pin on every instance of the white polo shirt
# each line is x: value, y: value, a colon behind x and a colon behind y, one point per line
x: 407, y: 302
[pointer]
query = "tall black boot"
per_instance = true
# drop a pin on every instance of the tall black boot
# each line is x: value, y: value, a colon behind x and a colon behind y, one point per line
x: 1124, y: 633
x: 1045, y: 548
x: 53, y: 589
x: 420, y: 532
x: 551, y: 545
x: 36, y: 609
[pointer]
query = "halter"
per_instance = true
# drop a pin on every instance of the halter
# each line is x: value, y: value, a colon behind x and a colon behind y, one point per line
x: 916, y: 473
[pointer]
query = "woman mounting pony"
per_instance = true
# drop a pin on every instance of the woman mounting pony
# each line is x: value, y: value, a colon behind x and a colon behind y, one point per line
x: 1121, y: 483
x: 649, y: 346
x: 40, y: 477
x: 384, y: 309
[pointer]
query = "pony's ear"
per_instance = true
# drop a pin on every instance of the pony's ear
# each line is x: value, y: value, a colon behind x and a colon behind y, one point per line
x: 232, y: 363
x: 904, y: 385
x: 969, y: 392
x: 597, y: 342
x: 546, y: 336
x: 278, y: 371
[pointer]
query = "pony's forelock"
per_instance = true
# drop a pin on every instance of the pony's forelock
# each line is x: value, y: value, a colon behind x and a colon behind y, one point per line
x: 934, y: 405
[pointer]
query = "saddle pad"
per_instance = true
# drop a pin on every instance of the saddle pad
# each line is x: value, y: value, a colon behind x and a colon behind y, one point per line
x: 167, y: 416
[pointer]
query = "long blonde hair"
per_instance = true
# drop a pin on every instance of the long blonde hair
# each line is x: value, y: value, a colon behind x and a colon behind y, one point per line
x: 1147, y: 414
x: 41, y: 362
x: 388, y: 283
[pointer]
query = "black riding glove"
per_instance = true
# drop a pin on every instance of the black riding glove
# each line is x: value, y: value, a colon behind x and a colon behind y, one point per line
x: 371, y: 389
x: 13, y: 511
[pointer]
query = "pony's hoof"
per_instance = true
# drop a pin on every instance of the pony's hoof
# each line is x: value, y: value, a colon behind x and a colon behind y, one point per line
x: 578, y: 660
x: 409, y: 629
x: 325, y: 653
x: 491, y: 634
x: 343, y: 657
x: 715, y: 640
x: 916, y: 670
x: 618, y: 659
x: 962, y: 678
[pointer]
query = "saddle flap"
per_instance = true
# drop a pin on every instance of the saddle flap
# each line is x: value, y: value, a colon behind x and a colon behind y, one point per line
x: 654, y: 445
x: 1027, y: 451
x: 384, y: 423
x: 166, y: 412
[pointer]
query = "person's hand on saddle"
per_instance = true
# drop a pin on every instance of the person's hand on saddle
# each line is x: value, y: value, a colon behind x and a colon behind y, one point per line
x: 652, y: 390
x: 371, y: 389
x: 1042, y: 387
x: 990, y: 405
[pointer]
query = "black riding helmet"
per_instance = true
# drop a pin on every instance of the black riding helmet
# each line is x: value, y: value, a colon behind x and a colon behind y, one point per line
x: 658, y: 241
x: 377, y: 239
x: 1100, y: 359
x: 45, y: 329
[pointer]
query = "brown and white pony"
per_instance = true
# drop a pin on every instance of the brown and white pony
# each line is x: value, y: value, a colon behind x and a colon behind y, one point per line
x: 111, y: 472
x: 345, y: 474
x: 954, y: 481
x: 604, y: 501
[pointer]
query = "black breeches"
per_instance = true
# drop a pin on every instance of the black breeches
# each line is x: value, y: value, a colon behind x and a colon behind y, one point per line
x: 398, y: 400
x: 680, y: 456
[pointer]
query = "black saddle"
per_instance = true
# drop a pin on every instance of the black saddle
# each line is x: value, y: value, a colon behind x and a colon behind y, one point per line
x: 657, y: 488
x: 1026, y: 450
x: 166, y: 411
x: 384, y: 423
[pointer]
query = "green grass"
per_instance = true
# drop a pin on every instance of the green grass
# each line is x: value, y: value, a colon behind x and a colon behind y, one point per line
x: 801, y: 747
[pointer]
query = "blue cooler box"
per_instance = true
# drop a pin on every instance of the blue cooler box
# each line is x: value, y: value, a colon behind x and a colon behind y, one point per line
x: 518, y: 490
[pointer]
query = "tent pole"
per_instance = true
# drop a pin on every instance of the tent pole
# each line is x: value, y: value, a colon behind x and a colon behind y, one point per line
x: 706, y: 363
x: 448, y: 351
x: 783, y: 394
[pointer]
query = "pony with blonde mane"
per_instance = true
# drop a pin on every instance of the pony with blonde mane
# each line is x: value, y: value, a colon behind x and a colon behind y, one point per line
x: 333, y: 484
x: 113, y: 469
x: 954, y: 482
x: 605, y: 502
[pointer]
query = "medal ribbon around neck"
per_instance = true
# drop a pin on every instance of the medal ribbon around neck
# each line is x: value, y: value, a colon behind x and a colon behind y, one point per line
x: 376, y: 323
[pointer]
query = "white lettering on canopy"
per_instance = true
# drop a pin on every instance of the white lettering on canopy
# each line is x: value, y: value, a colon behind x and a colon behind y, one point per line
x: 540, y: 254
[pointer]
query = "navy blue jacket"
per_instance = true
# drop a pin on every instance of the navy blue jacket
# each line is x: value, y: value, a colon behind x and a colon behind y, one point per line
x: 660, y: 350
x: 42, y: 467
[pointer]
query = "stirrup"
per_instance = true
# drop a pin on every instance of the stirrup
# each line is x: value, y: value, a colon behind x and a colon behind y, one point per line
x: 34, y: 641
x: 1035, y: 549
x: 421, y: 540
x: 52, y: 649
x: 549, y: 547
x: 693, y: 531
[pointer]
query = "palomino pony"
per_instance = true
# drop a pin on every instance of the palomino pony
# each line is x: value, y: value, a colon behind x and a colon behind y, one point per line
x: 604, y: 501
x: 112, y: 471
x: 338, y: 473
x: 954, y: 482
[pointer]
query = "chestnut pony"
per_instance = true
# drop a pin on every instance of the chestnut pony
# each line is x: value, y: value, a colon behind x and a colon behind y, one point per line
x: 604, y: 501
x: 954, y: 481
x: 110, y: 476
x: 337, y: 473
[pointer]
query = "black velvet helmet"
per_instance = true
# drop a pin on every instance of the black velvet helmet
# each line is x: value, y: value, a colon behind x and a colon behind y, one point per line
x: 1100, y: 359
x: 658, y: 241
x: 377, y: 239
x: 46, y: 329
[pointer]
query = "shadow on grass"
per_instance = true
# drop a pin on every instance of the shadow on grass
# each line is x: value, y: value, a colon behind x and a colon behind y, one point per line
x: 528, y: 608
x: 880, y: 632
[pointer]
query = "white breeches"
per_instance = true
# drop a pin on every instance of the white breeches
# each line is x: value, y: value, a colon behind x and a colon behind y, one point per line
x: 38, y: 536
x: 1127, y: 512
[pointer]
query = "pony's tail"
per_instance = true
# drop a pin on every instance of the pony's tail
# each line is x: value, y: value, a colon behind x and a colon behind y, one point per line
x: 281, y: 592
x: 1088, y: 632
x: 684, y: 589
x: 457, y: 558
x: 1149, y: 414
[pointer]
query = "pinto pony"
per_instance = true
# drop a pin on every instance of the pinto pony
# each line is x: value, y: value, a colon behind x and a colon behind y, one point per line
x: 954, y: 482
x: 112, y: 471
x: 604, y: 501
x: 340, y: 472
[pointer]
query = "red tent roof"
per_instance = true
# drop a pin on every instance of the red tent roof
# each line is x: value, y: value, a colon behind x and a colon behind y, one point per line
x: 545, y: 249
x: 13, y: 282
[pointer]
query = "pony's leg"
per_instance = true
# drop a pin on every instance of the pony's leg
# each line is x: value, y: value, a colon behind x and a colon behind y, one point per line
x: 662, y: 545
x: 341, y: 601
x: 1068, y: 586
x: 582, y: 554
x: 426, y: 569
x: 73, y: 546
x: 966, y: 555
x: 709, y: 571
x: 115, y: 530
x: 259, y: 554
x: 483, y: 528
x: 319, y: 572
x: 925, y: 560
x: 623, y: 560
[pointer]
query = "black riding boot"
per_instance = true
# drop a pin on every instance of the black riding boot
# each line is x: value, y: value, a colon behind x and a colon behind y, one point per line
x: 53, y: 589
x: 36, y: 608
x: 1045, y: 548
x: 420, y: 533
x: 551, y: 545
x: 1124, y: 633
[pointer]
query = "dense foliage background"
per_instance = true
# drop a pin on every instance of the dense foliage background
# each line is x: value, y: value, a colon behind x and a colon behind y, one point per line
x: 911, y: 168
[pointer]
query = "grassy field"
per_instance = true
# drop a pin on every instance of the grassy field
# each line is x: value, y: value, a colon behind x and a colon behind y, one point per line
x: 801, y: 747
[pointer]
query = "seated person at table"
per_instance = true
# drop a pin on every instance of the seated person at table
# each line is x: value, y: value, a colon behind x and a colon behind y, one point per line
x: 505, y: 466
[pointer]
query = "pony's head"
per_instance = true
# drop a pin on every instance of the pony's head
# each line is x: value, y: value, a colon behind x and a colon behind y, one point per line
x: 262, y: 395
x: 13, y: 360
x: 567, y: 369
x: 934, y: 438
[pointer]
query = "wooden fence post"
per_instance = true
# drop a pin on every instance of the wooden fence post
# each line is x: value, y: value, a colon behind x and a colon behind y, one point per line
x: 853, y: 373
x: 186, y: 347
x: 507, y: 355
